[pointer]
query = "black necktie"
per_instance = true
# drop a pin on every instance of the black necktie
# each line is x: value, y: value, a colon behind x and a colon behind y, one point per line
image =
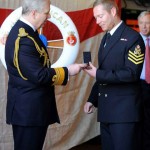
x: 108, y: 35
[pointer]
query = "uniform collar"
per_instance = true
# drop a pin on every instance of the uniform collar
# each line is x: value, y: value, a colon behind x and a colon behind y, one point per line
x: 28, y: 23
x: 115, y: 28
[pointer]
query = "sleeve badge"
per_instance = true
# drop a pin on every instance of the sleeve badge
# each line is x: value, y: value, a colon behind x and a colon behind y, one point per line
x: 136, y: 57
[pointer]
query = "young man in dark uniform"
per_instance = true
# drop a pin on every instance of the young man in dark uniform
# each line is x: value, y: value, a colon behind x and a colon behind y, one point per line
x: 117, y: 92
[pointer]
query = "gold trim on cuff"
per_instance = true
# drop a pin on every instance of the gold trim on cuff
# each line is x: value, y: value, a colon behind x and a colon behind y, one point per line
x: 58, y: 79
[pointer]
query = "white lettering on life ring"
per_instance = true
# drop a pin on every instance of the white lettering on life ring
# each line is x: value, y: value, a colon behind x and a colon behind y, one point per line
x: 64, y: 24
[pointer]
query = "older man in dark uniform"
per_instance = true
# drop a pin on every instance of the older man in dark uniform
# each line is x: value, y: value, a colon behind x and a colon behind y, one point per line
x: 117, y: 92
x: 31, y: 105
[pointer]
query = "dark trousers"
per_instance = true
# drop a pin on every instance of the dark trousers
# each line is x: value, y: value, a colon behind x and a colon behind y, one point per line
x: 29, y: 138
x: 146, y: 117
x: 121, y: 136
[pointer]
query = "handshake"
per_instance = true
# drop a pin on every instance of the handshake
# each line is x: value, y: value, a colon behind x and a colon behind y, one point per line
x: 74, y: 69
x: 88, y: 68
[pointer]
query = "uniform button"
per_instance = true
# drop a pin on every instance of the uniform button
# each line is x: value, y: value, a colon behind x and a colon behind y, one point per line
x: 99, y: 94
x: 102, y: 84
x: 105, y: 95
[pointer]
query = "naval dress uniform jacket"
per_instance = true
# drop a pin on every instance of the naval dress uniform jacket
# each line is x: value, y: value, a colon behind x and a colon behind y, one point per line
x: 30, y: 96
x: 117, y: 92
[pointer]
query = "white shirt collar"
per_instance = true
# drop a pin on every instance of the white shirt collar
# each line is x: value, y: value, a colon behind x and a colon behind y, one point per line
x: 144, y: 37
x: 27, y: 22
x: 115, y: 28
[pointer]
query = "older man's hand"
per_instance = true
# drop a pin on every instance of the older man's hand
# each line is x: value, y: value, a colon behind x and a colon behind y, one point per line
x: 74, y: 69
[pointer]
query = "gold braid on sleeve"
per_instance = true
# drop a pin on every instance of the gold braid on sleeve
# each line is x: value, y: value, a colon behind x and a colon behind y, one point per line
x: 42, y: 52
x: 59, y: 77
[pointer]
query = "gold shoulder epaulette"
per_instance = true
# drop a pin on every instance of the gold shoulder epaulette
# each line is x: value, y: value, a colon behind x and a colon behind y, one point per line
x: 22, y: 33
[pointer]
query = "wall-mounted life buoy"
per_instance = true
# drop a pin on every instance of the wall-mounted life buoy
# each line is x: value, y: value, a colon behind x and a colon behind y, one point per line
x: 64, y: 24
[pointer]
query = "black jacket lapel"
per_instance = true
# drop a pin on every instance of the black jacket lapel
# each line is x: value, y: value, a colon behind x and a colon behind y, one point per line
x: 103, y: 51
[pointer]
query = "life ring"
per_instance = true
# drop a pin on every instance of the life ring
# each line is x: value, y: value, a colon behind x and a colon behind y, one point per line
x: 64, y: 24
